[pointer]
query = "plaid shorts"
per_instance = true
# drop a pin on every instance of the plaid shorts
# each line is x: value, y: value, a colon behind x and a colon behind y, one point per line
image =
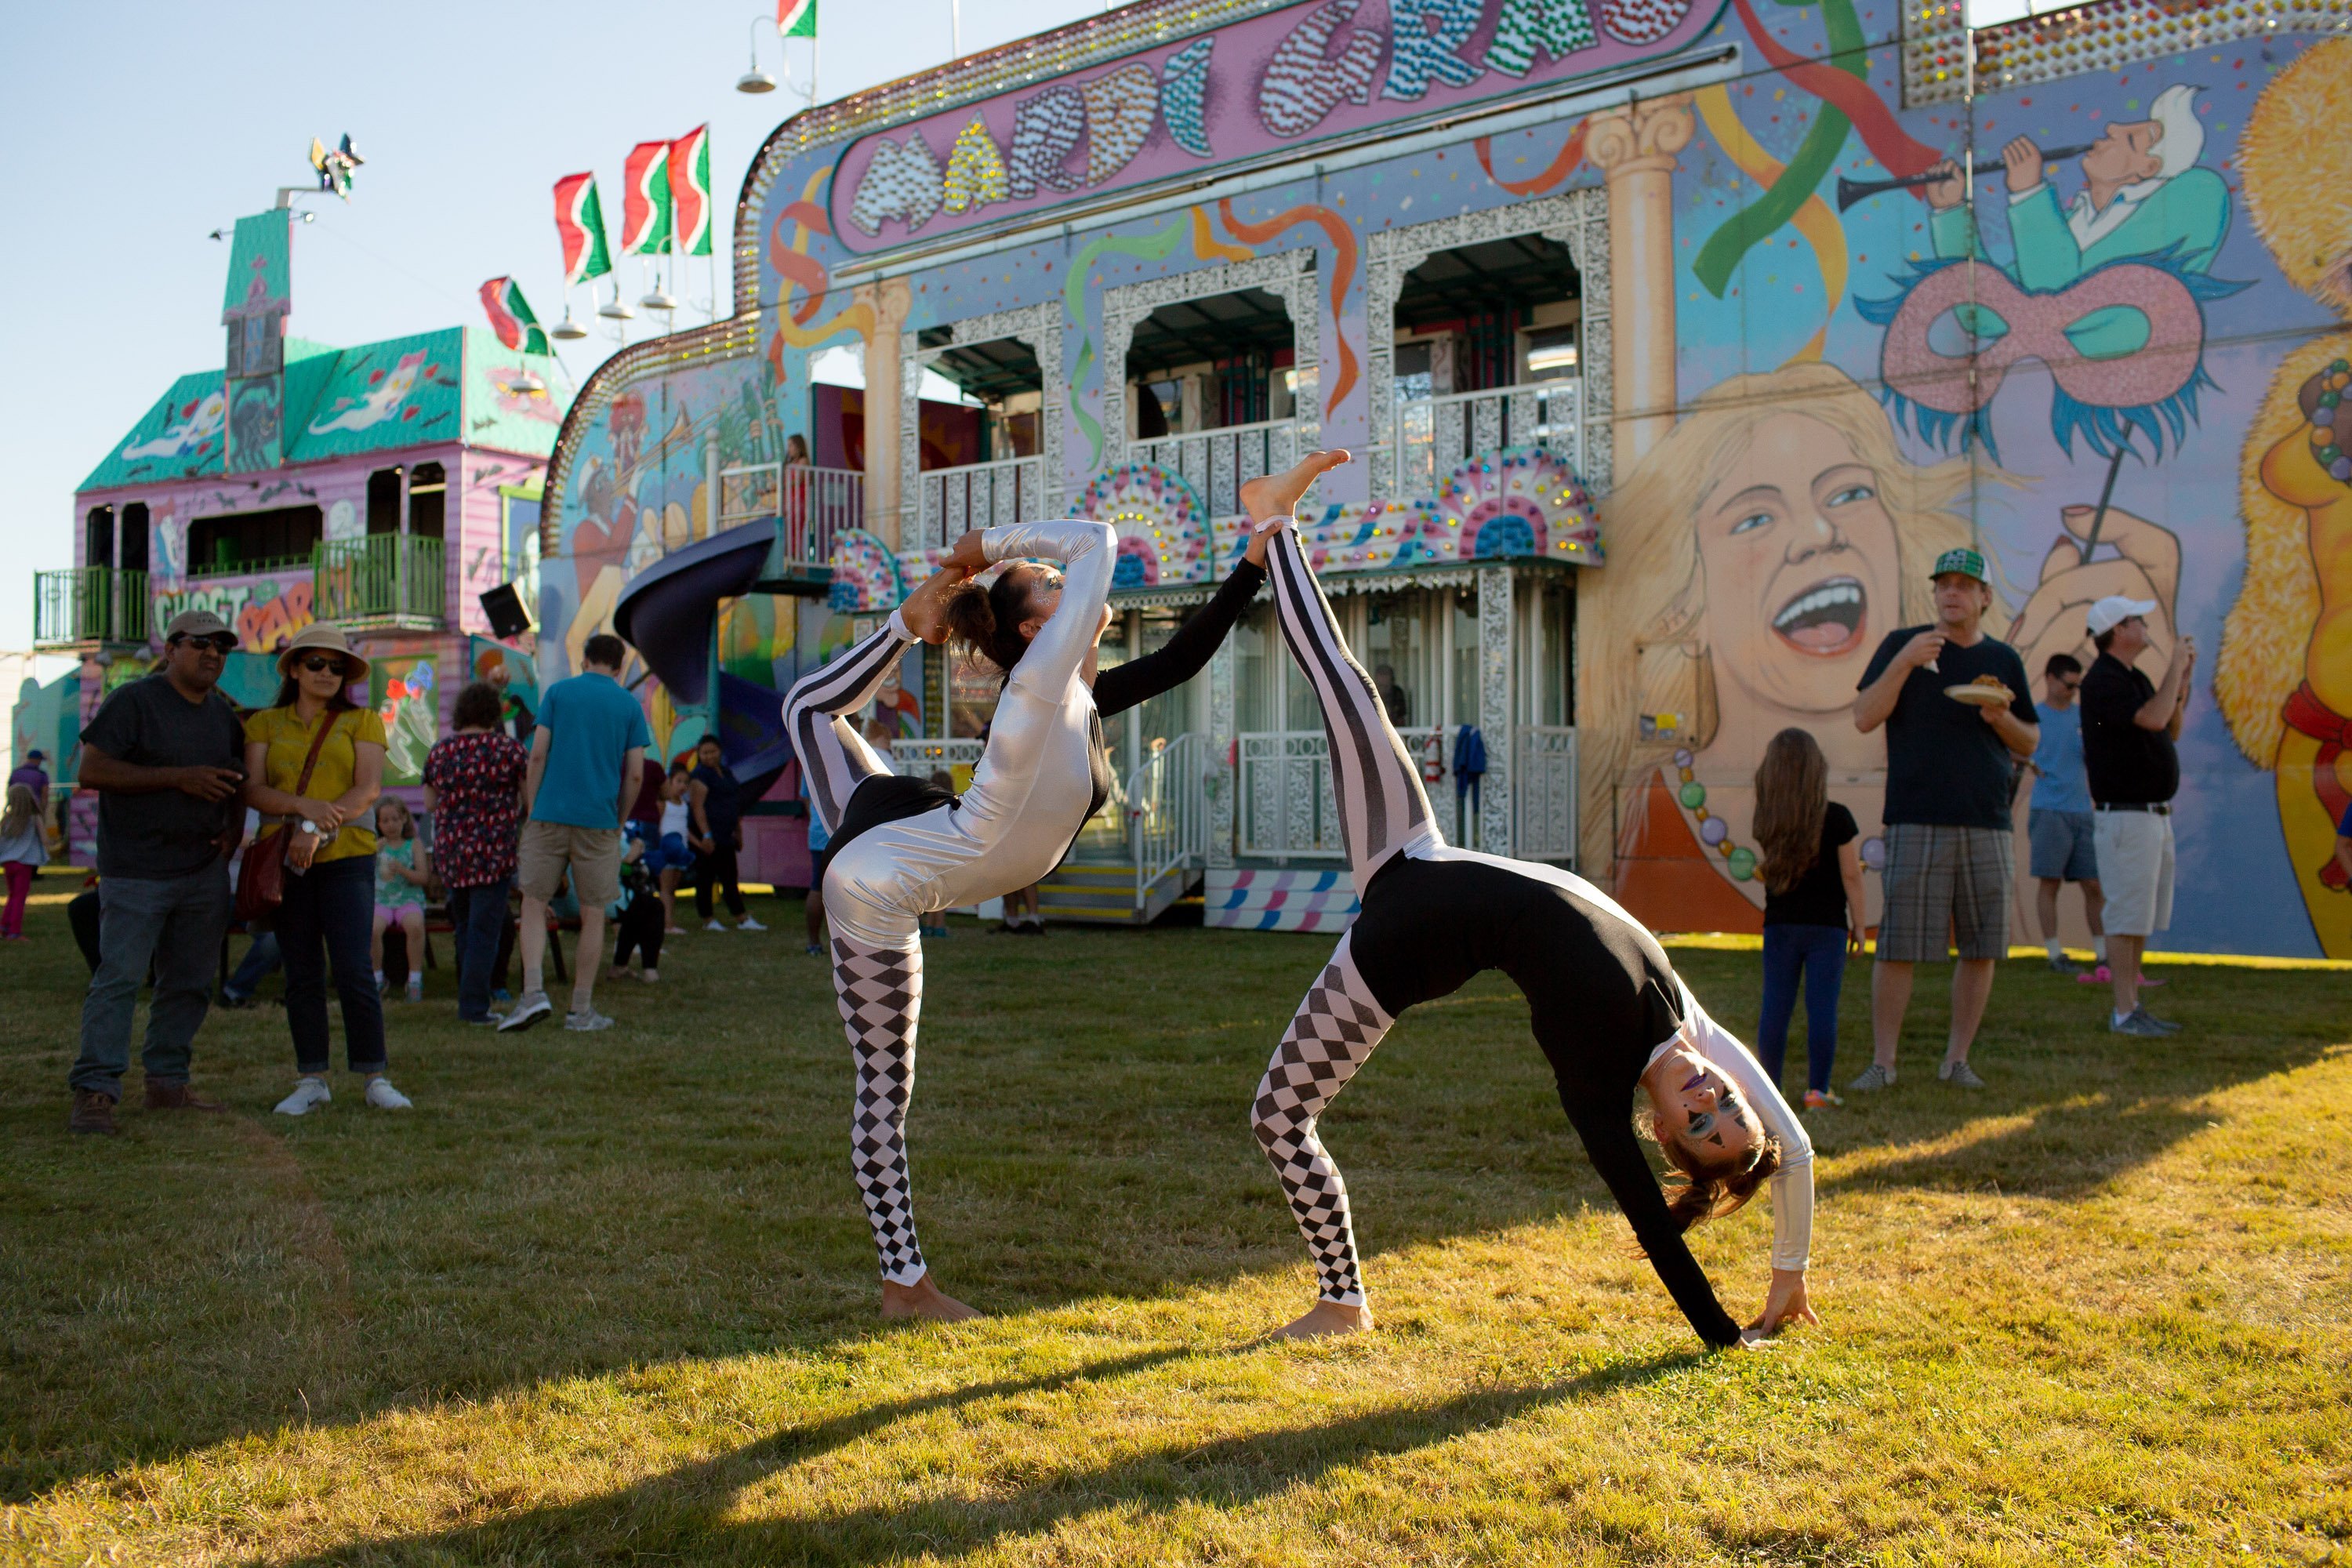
x: 1944, y: 884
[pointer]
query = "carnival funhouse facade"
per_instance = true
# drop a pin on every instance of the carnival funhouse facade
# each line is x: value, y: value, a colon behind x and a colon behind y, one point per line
x: 1665, y: 388
x: 385, y: 488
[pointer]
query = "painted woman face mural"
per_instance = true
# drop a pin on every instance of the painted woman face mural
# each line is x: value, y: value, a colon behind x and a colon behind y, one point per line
x: 1758, y: 554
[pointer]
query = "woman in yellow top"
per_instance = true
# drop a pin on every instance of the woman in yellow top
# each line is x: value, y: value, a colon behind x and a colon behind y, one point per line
x: 329, y: 911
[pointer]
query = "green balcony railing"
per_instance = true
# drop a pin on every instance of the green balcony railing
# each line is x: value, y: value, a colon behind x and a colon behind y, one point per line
x: 82, y: 605
x: 394, y: 578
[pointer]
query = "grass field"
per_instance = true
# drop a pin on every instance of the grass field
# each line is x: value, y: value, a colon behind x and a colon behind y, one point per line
x: 610, y: 1298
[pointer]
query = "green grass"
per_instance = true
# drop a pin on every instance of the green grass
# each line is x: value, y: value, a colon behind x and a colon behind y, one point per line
x: 610, y: 1298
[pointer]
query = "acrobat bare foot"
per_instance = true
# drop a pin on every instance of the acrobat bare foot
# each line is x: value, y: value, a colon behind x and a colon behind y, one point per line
x: 923, y: 1300
x: 1326, y: 1318
x: 1276, y: 494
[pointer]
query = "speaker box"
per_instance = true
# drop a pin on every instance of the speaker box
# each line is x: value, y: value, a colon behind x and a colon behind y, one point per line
x: 508, y: 617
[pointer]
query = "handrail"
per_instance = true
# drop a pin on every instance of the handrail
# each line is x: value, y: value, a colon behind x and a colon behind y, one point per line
x: 1167, y: 810
x: 381, y: 576
x: 978, y: 495
x: 1263, y: 447
x: 813, y: 504
x: 77, y: 605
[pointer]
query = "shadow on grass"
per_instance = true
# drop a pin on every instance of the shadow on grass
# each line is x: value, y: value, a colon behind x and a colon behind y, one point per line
x: 679, y: 1189
x: 685, y: 1513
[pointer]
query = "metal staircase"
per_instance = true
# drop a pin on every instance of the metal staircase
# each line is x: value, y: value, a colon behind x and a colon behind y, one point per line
x: 1145, y: 849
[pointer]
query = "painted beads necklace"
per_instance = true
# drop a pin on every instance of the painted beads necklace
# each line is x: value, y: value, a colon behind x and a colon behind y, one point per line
x: 1715, y: 833
x: 2323, y: 400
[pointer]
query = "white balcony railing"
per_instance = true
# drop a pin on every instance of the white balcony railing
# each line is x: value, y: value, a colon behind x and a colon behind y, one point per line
x: 1284, y: 807
x: 1217, y: 461
x: 1436, y: 435
x: 921, y: 759
x: 1168, y: 811
x: 978, y: 495
x: 812, y: 504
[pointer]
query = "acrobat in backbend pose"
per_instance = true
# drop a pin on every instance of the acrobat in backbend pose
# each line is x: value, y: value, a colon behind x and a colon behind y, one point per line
x: 903, y: 848
x: 1608, y: 1009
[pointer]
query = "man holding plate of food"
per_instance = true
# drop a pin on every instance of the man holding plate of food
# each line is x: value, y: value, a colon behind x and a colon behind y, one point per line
x: 1958, y: 715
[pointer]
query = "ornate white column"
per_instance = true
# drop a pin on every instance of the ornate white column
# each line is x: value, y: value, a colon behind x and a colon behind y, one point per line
x: 1495, y: 644
x: 1223, y: 727
x: 1634, y: 147
x: 890, y: 301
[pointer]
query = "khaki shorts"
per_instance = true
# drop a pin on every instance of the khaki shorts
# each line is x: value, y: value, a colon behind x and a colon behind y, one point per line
x: 2135, y: 871
x: 593, y: 853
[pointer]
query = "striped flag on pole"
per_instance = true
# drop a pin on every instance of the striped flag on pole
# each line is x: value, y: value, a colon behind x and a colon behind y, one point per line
x: 579, y: 224
x: 510, y: 317
x: 645, y: 200
x: 796, y: 18
x: 690, y: 191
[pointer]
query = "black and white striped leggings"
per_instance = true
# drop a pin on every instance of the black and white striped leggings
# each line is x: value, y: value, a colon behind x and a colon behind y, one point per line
x: 1383, y: 812
x: 879, y: 987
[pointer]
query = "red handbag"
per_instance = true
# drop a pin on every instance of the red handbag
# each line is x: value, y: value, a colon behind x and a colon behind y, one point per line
x: 261, y: 875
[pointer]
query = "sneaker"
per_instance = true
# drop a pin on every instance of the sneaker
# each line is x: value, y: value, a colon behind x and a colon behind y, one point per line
x: 416, y: 991
x: 487, y: 1021
x: 178, y: 1097
x: 583, y: 1021
x: 712, y: 924
x: 1872, y: 1078
x: 814, y: 951
x: 308, y: 1094
x: 502, y: 997
x: 528, y: 1011
x: 1959, y: 1075
x: 2062, y: 964
x: 94, y: 1111
x: 383, y: 1097
x: 2140, y: 1021
x: 230, y: 1002
x: 1822, y: 1099
x: 748, y: 923
x: 651, y: 977
x: 2102, y: 976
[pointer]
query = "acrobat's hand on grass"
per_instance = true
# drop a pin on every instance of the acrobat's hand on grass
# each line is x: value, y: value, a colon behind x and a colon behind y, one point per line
x: 1277, y: 495
x: 1786, y: 1304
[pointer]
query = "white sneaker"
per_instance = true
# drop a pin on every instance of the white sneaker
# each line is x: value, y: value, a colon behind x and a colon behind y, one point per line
x: 748, y: 923
x: 416, y: 991
x: 308, y: 1094
x: 528, y: 1011
x: 582, y: 1021
x: 712, y: 924
x: 383, y: 1097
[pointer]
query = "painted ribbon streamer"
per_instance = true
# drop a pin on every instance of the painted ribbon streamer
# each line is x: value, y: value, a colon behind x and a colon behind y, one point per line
x: 2102, y: 398
x: 797, y: 267
x: 2308, y: 715
x: 1813, y: 219
x: 1888, y: 142
x: 1157, y: 245
x: 1342, y: 236
x: 1571, y: 154
x: 1208, y: 246
x: 1788, y: 189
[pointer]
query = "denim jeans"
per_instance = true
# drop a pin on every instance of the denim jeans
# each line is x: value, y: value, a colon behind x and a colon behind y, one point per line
x: 254, y: 968
x: 1818, y: 954
x: 172, y: 927
x: 480, y: 916
x: 325, y: 918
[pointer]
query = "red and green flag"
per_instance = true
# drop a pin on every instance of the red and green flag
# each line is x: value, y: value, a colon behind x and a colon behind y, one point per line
x: 579, y: 224
x: 796, y: 18
x: 510, y: 317
x: 690, y: 191
x: 645, y: 200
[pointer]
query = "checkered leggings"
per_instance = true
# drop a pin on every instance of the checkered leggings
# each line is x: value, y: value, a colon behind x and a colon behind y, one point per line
x: 880, y: 990
x: 1332, y: 1033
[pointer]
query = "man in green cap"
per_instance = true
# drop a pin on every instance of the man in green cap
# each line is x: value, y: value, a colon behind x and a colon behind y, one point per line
x: 166, y: 755
x: 1951, y: 760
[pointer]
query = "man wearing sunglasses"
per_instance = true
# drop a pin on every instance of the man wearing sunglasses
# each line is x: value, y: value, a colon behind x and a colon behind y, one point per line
x: 165, y: 755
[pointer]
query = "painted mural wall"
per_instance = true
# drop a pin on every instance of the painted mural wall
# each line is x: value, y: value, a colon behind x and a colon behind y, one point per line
x: 2114, y: 359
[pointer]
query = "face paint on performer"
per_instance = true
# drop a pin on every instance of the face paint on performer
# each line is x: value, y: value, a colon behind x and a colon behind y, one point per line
x: 1703, y: 1111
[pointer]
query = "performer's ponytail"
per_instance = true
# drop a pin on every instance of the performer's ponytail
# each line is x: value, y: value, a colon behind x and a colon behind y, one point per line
x: 987, y: 621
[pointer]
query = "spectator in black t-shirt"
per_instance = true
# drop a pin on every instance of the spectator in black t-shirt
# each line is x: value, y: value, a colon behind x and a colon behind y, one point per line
x: 1950, y: 765
x: 1812, y: 905
x: 2129, y: 724
x: 166, y: 755
x: 716, y: 799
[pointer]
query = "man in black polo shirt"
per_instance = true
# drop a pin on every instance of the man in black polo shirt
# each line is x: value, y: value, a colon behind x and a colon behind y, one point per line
x: 1950, y: 765
x: 166, y: 755
x: 2129, y: 724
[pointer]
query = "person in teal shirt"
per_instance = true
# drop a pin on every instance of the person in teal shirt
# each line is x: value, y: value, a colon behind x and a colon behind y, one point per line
x: 2143, y: 195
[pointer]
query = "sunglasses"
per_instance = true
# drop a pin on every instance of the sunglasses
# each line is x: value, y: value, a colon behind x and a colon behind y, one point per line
x: 318, y: 662
x: 218, y: 643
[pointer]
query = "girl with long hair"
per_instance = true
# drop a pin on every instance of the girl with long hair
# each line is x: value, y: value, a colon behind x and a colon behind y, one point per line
x: 902, y: 847
x: 402, y: 868
x: 1812, y: 871
x: 23, y: 851
x: 1608, y: 1011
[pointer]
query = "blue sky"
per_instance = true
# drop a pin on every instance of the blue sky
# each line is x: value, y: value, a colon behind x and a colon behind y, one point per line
x: 140, y: 130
